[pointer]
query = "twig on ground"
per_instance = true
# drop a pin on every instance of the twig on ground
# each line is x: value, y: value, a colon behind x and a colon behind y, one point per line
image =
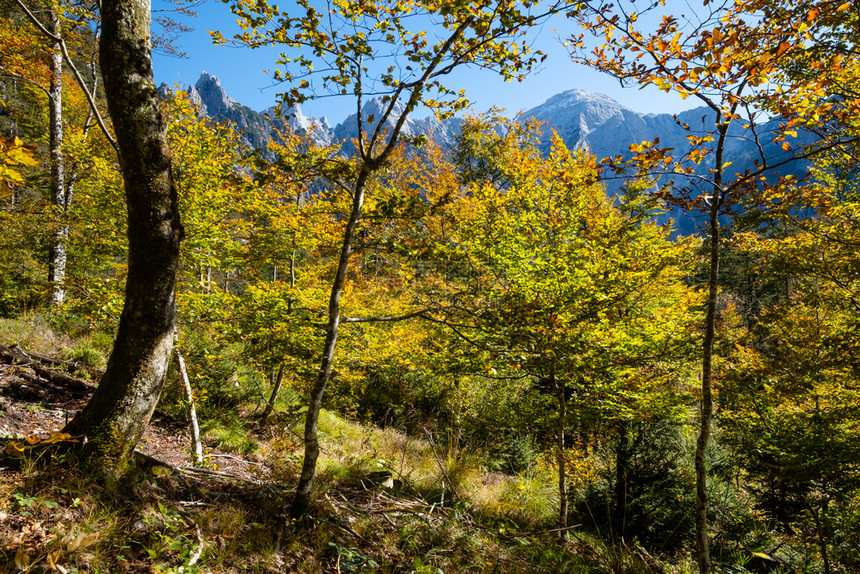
x: 550, y: 531
x: 236, y: 458
x: 218, y: 473
x: 72, y: 365
x: 649, y: 560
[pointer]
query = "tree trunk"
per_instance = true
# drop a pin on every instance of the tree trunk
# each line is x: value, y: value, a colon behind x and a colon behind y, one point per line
x: 822, y: 539
x: 122, y: 405
x: 561, y: 459
x: 369, y: 163
x: 57, y: 253
x: 702, y: 546
x: 312, y: 447
x: 276, y: 389
x: 196, y: 445
x: 622, y: 462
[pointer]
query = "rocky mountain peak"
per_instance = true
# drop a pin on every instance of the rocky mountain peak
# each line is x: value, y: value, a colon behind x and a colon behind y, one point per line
x: 209, y: 94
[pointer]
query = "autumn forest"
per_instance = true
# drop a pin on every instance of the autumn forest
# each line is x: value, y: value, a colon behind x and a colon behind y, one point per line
x: 391, y: 354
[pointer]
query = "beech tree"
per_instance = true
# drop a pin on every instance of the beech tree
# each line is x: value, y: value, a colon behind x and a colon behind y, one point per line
x: 383, y: 48
x: 116, y: 415
x: 566, y: 288
x: 713, y: 56
x: 790, y: 399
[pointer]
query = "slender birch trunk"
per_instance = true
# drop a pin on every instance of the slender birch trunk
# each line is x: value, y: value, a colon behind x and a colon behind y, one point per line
x: 57, y: 256
x: 196, y: 445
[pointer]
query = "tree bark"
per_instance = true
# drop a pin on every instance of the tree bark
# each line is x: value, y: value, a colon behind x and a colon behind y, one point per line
x: 369, y: 163
x: 819, y: 533
x: 702, y: 545
x: 312, y: 447
x: 122, y: 405
x: 622, y: 463
x: 276, y: 389
x: 561, y: 459
x: 57, y: 254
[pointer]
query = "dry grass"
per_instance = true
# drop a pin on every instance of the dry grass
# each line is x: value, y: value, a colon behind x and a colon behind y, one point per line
x: 33, y: 333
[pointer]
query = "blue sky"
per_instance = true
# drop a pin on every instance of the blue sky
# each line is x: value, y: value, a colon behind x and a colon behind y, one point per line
x: 242, y: 72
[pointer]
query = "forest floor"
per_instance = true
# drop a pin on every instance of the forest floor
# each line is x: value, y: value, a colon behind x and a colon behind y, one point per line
x: 39, y: 519
x: 232, y: 514
x: 34, y: 406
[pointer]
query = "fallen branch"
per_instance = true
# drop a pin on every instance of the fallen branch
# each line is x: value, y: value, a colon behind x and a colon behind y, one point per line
x: 218, y: 473
x: 236, y: 458
x: 43, y: 374
x: 650, y: 560
x: 195, y: 556
x: 15, y: 356
x: 73, y: 366
x: 194, y: 503
x: 146, y: 462
x: 541, y: 532
x: 196, y: 445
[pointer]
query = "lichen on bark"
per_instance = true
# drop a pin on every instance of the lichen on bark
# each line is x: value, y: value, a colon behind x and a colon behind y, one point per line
x: 120, y: 409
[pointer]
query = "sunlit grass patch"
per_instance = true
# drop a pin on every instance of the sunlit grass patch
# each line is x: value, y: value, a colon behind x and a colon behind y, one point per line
x: 529, y: 499
x: 229, y: 433
x: 33, y: 333
x: 87, y: 353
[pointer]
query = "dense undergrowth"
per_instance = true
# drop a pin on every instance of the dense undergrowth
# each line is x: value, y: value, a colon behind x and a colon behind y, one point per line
x: 431, y: 500
x: 386, y: 501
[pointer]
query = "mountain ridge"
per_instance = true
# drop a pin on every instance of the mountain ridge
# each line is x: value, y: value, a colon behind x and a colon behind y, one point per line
x: 583, y: 120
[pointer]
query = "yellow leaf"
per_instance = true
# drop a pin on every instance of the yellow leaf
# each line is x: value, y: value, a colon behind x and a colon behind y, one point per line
x: 22, y: 559
x: 59, y: 437
x: 52, y: 559
x: 15, y: 449
x: 7, y: 174
x: 75, y: 542
x: 89, y: 540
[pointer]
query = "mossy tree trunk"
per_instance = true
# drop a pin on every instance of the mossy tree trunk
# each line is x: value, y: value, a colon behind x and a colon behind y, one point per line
x: 122, y: 405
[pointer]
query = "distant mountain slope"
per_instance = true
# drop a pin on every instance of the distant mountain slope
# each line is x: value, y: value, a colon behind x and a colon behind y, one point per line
x: 583, y: 119
x: 441, y: 132
x: 256, y: 127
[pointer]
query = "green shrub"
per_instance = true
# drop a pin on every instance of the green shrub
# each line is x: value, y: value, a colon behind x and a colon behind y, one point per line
x: 87, y: 353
